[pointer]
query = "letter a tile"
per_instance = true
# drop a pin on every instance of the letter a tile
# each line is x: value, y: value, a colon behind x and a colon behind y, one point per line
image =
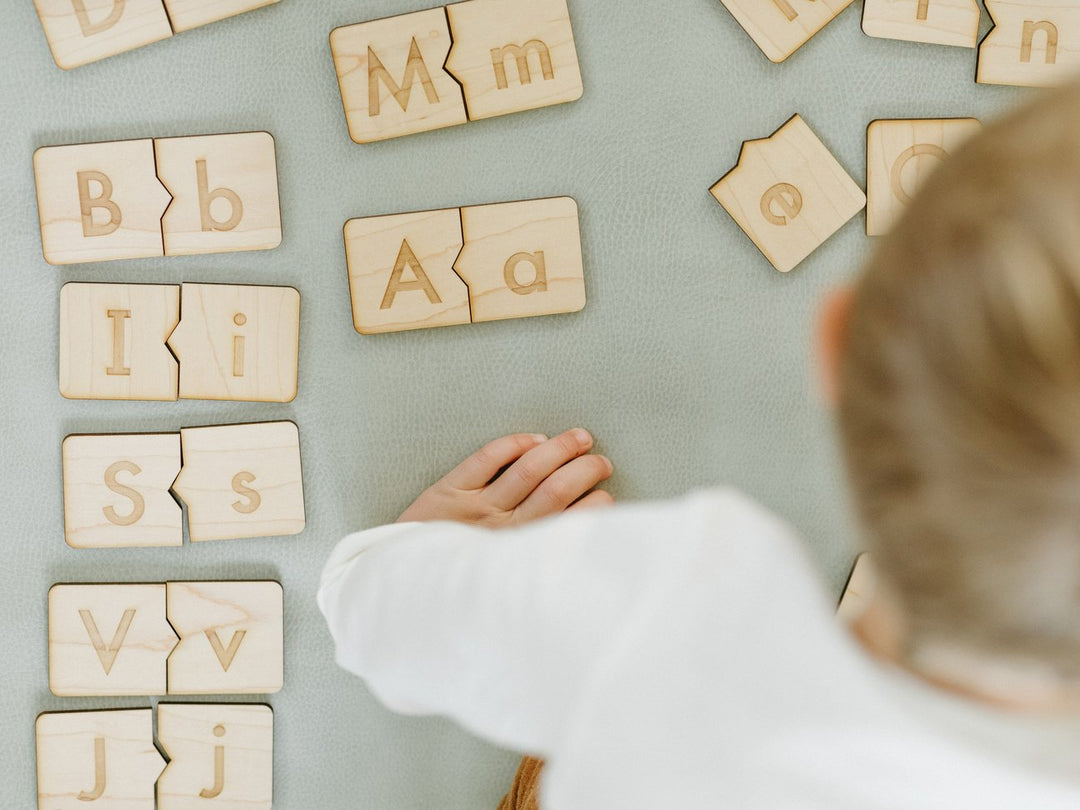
x: 108, y: 640
x: 188, y: 14
x: 116, y: 491
x: 1033, y: 43
x: 99, y: 201
x: 242, y: 481
x: 789, y: 194
x: 513, y: 56
x: 230, y: 638
x: 938, y: 22
x: 82, y: 31
x: 401, y: 271
x: 97, y: 759
x: 392, y: 78
x: 112, y: 341
x: 220, y: 756
x: 900, y: 155
x: 781, y: 27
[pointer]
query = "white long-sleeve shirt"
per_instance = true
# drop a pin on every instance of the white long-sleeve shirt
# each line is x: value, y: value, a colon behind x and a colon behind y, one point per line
x: 670, y: 655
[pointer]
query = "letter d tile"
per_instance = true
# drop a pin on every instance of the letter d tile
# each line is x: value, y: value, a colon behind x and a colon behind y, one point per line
x: 83, y: 31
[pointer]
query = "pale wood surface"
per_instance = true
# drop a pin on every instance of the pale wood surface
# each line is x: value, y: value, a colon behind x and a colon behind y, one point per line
x: 118, y: 356
x: 522, y: 259
x: 109, y: 27
x: 225, y: 193
x: 938, y: 22
x: 86, y: 220
x: 789, y: 194
x: 900, y: 156
x: 108, y: 640
x: 513, y: 55
x: 238, y: 342
x: 1035, y: 44
x: 859, y: 590
x: 188, y: 14
x: 230, y: 638
x: 429, y: 98
x: 242, y: 481
x: 97, y: 760
x: 116, y: 491
x: 226, y: 750
x: 781, y: 27
x: 401, y: 271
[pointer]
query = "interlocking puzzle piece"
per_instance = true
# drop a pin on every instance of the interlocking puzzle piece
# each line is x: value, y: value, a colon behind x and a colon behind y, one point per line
x: 401, y: 271
x: 242, y: 481
x: 230, y: 637
x: 391, y: 76
x: 116, y: 491
x: 188, y: 14
x: 781, y: 27
x: 1034, y: 43
x: 900, y: 156
x: 513, y: 56
x: 938, y: 22
x: 112, y: 341
x: 99, y: 201
x: 522, y: 259
x: 83, y: 31
x: 97, y: 759
x: 225, y: 193
x: 238, y: 342
x: 220, y: 756
x: 108, y: 640
x: 789, y: 194
x: 859, y: 590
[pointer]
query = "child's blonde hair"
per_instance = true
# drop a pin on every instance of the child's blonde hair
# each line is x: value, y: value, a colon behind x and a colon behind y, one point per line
x: 960, y: 396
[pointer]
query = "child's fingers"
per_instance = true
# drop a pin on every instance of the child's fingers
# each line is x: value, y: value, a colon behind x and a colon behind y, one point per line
x: 483, y: 465
x: 564, y: 486
x: 594, y: 500
x: 529, y: 471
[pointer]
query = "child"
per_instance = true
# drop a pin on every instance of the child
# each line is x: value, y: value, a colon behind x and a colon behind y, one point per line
x: 685, y: 655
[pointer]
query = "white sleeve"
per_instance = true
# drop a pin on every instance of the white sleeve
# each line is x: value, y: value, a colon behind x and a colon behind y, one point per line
x: 500, y: 630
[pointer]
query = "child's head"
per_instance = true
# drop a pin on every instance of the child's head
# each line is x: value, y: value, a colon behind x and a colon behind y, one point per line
x: 959, y: 397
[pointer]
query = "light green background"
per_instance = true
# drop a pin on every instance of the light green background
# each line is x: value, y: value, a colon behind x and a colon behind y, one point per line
x: 690, y: 362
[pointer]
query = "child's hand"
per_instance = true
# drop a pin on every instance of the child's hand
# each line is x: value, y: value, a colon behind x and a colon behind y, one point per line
x: 545, y: 476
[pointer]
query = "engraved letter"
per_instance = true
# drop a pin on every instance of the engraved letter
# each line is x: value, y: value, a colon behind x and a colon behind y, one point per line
x: 787, y: 9
x: 787, y: 197
x: 219, y: 768
x: 87, y: 204
x: 896, y: 176
x: 923, y: 11
x: 238, y: 347
x: 138, y: 504
x: 413, y: 68
x: 207, y: 197
x: 118, y: 367
x: 225, y: 655
x: 1030, y: 30
x: 89, y: 28
x: 107, y: 655
x: 539, y: 282
x: 99, y: 773
x: 254, y: 499
x: 521, y: 56
x: 406, y: 258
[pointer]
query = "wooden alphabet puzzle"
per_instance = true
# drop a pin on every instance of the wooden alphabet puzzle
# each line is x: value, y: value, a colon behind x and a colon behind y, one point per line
x: 1033, y: 43
x: 454, y: 266
x: 188, y: 14
x: 163, y: 197
x: 781, y: 27
x: 789, y: 194
x: 938, y: 22
x: 859, y: 590
x: 900, y: 155
x: 442, y: 67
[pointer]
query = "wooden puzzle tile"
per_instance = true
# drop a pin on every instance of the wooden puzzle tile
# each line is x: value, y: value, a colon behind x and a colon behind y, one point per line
x: 230, y: 638
x: 938, y: 22
x: 97, y: 759
x: 99, y: 201
x: 112, y: 341
x: 242, y: 481
x: 522, y: 259
x: 513, y: 56
x: 789, y: 194
x: 83, y: 31
x: 859, y: 590
x: 391, y: 76
x: 117, y: 491
x: 1033, y: 43
x: 108, y: 640
x: 188, y: 14
x: 401, y: 271
x: 781, y: 27
x: 238, y: 342
x: 225, y: 193
x: 220, y: 756
x: 900, y: 155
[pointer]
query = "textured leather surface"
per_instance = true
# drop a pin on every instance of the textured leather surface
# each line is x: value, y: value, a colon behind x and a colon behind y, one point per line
x: 690, y: 361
